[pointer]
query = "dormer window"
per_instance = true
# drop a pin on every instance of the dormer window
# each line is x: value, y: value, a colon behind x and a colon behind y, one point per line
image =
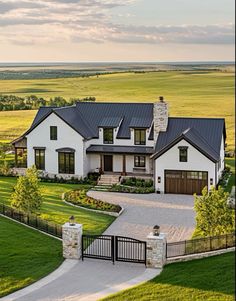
x: 183, y: 153
x: 140, y: 137
x: 108, y: 136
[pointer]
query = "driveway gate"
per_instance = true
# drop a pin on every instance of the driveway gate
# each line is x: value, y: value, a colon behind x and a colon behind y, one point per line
x: 114, y: 248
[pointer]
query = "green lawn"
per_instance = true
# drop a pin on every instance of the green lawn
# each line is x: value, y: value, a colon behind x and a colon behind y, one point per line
x: 53, y: 209
x: 189, y: 93
x: 231, y: 163
x: 25, y: 256
x: 209, y: 279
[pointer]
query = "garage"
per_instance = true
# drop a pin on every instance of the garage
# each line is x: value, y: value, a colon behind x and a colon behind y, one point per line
x: 185, y: 182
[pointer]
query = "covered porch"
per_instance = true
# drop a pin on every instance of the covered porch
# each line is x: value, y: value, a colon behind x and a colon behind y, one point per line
x: 121, y: 160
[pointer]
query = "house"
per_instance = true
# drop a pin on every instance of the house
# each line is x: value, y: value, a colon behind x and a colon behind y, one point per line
x: 182, y: 155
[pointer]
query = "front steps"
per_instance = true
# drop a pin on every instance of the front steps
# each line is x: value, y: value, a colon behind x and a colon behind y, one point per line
x: 106, y: 181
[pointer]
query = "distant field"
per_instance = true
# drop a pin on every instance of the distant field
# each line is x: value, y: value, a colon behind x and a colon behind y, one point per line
x: 189, y: 93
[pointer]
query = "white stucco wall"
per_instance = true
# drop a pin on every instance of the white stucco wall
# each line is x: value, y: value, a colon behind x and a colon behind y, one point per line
x: 67, y: 137
x: 222, y: 158
x: 170, y: 161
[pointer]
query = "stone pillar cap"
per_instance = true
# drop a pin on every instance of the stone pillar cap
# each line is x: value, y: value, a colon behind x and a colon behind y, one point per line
x: 67, y: 225
x: 161, y: 236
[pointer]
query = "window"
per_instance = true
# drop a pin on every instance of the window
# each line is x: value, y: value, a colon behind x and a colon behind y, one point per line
x: 66, y: 163
x: 139, y: 137
x: 108, y: 136
x: 40, y: 159
x: 139, y: 161
x: 183, y: 154
x: 53, y: 132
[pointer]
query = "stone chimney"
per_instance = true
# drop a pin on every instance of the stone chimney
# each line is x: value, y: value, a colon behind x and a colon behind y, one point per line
x: 160, y: 116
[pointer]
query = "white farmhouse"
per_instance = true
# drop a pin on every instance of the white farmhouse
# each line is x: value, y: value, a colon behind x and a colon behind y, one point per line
x: 182, y: 155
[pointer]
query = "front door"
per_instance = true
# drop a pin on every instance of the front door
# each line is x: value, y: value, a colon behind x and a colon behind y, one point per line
x: 108, y: 163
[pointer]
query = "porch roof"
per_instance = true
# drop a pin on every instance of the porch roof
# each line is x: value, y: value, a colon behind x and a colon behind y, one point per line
x: 116, y: 149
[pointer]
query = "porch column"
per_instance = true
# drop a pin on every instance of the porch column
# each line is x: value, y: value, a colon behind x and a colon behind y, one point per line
x: 124, y: 166
x: 101, y: 163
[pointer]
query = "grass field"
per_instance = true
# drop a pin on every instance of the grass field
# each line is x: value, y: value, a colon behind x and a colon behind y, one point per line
x: 210, y: 279
x: 189, y: 93
x: 26, y: 256
x: 53, y: 209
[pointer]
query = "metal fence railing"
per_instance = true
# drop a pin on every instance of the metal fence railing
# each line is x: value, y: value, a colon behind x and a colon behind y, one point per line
x: 200, y: 245
x: 31, y: 220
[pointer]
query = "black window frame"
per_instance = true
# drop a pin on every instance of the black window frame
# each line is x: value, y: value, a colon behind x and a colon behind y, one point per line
x: 138, y: 163
x: 41, y: 163
x: 183, y: 154
x: 111, y: 130
x: 68, y: 166
x: 53, y: 132
x: 139, y: 141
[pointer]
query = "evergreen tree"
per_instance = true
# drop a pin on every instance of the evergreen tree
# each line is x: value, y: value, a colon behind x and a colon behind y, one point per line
x: 27, y: 195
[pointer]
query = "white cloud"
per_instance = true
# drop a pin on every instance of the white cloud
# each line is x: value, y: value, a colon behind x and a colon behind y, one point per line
x: 49, y: 21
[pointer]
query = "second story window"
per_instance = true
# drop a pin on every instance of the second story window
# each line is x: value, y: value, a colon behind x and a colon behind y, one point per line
x: 183, y: 154
x: 108, y: 136
x: 53, y: 132
x: 139, y: 137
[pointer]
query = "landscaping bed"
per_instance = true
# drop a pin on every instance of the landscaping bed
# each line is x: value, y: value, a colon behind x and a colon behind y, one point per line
x: 79, y: 197
x: 134, y: 185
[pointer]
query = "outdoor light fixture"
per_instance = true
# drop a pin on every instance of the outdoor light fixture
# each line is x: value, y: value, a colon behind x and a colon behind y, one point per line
x: 156, y: 230
x: 72, y: 220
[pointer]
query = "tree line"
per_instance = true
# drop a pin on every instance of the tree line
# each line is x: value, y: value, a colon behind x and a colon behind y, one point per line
x: 13, y: 102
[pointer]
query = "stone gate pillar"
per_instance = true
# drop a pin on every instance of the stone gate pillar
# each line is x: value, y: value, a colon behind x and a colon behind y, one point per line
x: 72, y: 240
x: 156, y: 251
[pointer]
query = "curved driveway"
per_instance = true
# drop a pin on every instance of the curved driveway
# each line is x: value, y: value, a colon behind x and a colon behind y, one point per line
x: 173, y: 213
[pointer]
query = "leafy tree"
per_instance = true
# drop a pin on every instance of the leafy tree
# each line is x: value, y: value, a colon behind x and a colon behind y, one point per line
x: 213, y: 215
x: 27, y: 195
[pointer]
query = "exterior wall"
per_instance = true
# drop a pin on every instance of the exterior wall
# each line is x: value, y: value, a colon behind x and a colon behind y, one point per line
x: 221, y: 165
x: 67, y: 137
x: 170, y: 161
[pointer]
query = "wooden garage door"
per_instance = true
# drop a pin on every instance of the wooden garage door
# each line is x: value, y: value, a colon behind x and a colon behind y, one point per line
x: 185, y: 182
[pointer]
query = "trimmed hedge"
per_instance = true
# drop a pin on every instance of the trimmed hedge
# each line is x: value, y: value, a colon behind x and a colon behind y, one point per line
x: 136, y: 182
x: 80, y: 198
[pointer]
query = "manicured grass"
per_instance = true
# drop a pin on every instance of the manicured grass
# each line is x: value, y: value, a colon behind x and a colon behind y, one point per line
x: 189, y: 93
x: 209, y: 279
x: 25, y: 256
x: 231, y: 163
x: 53, y: 209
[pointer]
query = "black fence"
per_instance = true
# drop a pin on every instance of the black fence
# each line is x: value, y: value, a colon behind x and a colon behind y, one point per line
x: 31, y: 220
x: 201, y: 245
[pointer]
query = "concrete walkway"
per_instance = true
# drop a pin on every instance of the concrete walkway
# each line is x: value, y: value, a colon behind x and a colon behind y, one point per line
x: 174, y: 213
x: 84, y: 281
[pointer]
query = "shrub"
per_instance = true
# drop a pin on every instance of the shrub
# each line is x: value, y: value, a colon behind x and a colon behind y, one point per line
x: 130, y: 189
x: 137, y: 182
x: 80, y: 198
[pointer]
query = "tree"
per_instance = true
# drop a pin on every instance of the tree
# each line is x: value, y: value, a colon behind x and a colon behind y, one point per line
x: 27, y: 195
x: 213, y: 215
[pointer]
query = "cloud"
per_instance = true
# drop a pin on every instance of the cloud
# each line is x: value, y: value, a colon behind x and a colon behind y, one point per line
x: 78, y: 21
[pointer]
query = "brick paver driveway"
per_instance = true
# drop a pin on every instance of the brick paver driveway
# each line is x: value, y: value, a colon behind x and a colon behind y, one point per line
x: 174, y: 213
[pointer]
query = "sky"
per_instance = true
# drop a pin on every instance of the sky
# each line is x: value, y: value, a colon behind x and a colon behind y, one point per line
x: 116, y: 30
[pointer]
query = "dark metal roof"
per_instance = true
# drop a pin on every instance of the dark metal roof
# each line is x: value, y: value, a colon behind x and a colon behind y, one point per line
x: 65, y: 150
x: 120, y: 149
x: 110, y: 122
x: 203, y: 133
x: 86, y: 118
x: 140, y: 122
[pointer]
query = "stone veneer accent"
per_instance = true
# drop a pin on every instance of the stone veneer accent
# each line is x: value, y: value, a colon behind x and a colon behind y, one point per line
x: 156, y: 251
x: 160, y: 117
x: 72, y: 241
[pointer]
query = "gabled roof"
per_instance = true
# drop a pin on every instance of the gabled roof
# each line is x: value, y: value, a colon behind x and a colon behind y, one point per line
x: 204, y: 134
x: 86, y: 118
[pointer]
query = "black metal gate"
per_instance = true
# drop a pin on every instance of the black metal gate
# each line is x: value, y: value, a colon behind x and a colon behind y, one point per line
x: 114, y: 248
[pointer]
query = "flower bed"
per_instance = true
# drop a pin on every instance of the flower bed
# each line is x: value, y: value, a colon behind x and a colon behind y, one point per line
x: 131, y: 189
x: 80, y: 198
